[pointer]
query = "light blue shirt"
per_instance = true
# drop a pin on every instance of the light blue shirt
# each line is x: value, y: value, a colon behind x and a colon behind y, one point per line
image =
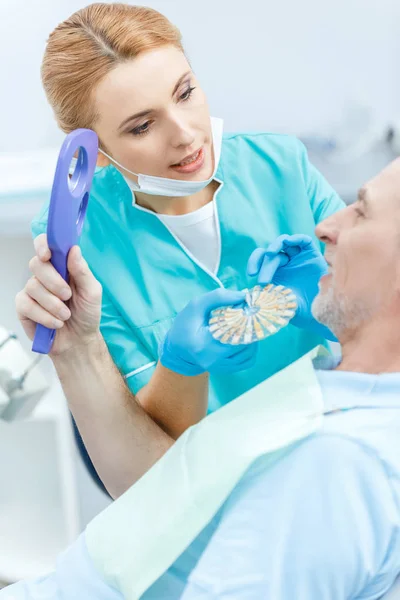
x: 322, y: 524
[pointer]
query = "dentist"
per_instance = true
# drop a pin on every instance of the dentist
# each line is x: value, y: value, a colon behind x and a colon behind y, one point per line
x: 176, y: 207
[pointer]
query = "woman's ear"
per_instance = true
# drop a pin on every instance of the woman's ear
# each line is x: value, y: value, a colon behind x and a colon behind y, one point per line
x: 102, y: 161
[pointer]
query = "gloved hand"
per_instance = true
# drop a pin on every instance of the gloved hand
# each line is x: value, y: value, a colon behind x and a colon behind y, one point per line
x: 190, y: 349
x: 294, y: 262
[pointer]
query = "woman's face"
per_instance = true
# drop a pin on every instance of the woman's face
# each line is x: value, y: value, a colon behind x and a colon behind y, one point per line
x: 153, y: 118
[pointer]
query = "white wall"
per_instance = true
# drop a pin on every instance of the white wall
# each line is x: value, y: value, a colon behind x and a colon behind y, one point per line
x: 288, y: 65
x: 277, y: 65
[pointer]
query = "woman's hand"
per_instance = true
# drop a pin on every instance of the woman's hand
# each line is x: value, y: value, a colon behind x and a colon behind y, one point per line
x: 190, y: 349
x: 295, y: 262
x: 73, y: 310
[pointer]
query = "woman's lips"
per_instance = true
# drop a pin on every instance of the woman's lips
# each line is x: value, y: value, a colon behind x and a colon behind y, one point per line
x: 191, y: 164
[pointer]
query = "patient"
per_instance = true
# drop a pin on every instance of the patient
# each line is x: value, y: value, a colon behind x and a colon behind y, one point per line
x: 324, y: 522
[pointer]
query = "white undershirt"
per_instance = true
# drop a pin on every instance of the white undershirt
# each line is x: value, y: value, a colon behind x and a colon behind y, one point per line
x: 198, y: 232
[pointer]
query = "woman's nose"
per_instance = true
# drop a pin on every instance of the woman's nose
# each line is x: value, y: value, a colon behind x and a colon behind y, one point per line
x: 182, y: 134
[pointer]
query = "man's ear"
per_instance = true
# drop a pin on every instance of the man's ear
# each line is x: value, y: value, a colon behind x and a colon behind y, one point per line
x: 102, y: 161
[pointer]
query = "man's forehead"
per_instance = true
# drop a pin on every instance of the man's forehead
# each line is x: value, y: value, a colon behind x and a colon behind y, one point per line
x: 384, y: 188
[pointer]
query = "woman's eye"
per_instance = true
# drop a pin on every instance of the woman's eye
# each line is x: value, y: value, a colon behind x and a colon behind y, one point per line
x: 141, y: 129
x: 187, y: 93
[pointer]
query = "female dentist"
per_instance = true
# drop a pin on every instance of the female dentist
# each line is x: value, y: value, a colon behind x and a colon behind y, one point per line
x: 176, y: 207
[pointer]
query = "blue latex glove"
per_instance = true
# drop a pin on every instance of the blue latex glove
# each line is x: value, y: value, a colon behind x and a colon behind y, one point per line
x: 190, y: 349
x: 294, y: 262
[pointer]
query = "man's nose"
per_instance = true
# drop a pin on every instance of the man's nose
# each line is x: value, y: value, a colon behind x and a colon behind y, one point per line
x: 328, y: 229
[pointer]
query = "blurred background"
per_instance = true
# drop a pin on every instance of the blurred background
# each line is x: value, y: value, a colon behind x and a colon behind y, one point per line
x: 324, y: 71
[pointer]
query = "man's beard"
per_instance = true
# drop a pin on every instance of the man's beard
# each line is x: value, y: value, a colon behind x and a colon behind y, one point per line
x: 338, y: 313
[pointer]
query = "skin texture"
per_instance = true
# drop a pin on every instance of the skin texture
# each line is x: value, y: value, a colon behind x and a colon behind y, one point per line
x: 177, y: 123
x: 359, y: 300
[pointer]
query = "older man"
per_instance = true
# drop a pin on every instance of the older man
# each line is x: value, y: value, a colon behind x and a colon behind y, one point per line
x: 324, y: 522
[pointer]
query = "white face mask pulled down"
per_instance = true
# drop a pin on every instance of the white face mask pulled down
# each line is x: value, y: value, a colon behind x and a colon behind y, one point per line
x: 175, y: 188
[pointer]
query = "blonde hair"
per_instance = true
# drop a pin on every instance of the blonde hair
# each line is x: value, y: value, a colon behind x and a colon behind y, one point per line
x: 88, y: 45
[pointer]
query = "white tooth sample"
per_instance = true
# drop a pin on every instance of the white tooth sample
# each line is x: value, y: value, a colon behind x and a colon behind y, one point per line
x: 190, y: 160
x: 264, y: 312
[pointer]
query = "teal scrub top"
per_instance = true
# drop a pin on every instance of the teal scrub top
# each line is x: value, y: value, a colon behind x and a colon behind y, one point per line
x: 267, y: 188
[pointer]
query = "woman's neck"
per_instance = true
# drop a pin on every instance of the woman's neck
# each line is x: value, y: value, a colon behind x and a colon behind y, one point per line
x: 177, y: 206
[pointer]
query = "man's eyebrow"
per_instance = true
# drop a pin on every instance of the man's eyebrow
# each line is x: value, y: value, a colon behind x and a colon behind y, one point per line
x: 145, y: 113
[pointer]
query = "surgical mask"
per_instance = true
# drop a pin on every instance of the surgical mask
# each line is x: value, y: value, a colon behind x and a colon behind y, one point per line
x: 175, y: 188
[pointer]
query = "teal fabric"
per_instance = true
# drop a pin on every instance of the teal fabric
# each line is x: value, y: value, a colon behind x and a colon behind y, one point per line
x: 268, y: 188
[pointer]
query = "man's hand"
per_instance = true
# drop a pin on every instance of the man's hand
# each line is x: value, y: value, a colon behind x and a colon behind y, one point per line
x: 44, y: 297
